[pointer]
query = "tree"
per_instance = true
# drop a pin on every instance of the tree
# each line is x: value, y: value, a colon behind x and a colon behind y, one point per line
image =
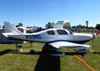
x: 79, y: 26
x: 49, y: 25
x: 97, y: 26
x: 20, y: 24
x: 67, y: 25
x: 91, y: 27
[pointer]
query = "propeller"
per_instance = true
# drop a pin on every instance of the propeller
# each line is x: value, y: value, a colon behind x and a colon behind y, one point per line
x: 95, y: 35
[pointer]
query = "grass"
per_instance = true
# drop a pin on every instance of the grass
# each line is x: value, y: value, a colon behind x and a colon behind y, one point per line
x: 27, y: 62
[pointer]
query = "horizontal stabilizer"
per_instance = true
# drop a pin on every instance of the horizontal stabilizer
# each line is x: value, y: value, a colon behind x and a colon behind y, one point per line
x: 6, y: 34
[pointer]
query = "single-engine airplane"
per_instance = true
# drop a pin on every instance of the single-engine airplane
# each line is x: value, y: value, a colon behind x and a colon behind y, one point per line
x: 56, y: 37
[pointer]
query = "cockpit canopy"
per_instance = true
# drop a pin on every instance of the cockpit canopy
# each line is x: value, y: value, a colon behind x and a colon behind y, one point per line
x: 59, y: 32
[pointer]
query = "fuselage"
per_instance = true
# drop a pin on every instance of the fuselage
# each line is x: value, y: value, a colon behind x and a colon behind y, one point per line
x: 53, y: 35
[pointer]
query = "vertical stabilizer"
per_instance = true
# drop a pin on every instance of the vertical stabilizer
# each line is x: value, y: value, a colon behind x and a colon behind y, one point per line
x: 9, y: 28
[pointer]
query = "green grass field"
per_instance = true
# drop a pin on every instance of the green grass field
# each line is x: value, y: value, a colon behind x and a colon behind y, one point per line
x: 10, y: 61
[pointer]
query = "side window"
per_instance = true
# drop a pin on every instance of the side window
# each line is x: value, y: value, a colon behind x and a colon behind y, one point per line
x: 51, y: 32
x: 62, y: 32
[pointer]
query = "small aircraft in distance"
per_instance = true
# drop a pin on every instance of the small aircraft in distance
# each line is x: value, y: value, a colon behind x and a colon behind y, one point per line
x: 56, y: 37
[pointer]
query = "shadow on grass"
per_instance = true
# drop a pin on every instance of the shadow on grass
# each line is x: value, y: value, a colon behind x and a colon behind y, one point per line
x: 96, y: 53
x: 45, y: 51
x: 7, y: 51
x: 47, y: 62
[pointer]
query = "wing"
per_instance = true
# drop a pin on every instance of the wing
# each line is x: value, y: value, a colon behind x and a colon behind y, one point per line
x: 62, y: 44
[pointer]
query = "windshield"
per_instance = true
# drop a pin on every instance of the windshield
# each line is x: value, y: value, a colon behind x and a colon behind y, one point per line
x: 62, y: 32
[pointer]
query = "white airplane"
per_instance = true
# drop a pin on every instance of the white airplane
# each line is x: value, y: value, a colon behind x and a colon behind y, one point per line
x: 56, y: 37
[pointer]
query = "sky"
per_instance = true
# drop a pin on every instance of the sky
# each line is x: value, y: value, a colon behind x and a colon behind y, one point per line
x: 40, y: 12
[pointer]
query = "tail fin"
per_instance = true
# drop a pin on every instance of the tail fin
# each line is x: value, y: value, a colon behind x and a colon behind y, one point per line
x: 9, y: 28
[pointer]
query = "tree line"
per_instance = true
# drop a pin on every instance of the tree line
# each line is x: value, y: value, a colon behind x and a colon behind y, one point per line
x: 67, y: 25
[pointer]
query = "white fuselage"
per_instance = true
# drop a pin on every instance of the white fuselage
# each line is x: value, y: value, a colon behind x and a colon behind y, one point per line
x: 52, y: 35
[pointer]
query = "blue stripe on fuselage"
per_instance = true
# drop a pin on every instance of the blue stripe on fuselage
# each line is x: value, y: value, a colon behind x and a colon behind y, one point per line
x: 28, y: 37
x: 33, y: 36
